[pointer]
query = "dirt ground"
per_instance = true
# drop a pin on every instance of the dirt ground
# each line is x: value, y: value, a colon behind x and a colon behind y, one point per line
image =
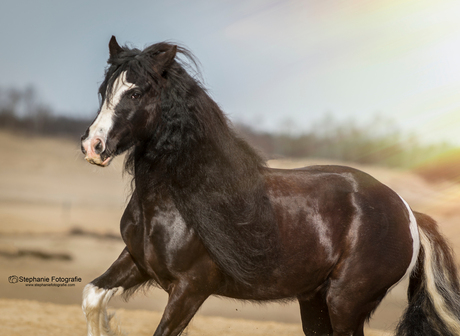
x: 59, y: 216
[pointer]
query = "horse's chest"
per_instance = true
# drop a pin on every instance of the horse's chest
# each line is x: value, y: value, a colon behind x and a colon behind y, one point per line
x: 159, y: 240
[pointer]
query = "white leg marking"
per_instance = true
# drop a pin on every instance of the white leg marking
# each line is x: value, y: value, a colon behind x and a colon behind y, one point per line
x: 95, y: 301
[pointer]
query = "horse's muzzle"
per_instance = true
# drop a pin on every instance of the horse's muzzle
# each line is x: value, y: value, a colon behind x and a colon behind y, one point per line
x: 94, y: 149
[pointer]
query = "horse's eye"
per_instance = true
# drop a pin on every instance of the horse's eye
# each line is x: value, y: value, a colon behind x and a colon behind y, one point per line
x: 136, y: 95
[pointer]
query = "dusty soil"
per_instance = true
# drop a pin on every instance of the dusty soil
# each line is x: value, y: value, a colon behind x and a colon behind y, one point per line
x: 24, y: 317
x: 59, y: 216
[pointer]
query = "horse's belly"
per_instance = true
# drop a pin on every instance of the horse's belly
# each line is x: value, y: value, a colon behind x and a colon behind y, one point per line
x: 283, y: 284
x: 305, y: 262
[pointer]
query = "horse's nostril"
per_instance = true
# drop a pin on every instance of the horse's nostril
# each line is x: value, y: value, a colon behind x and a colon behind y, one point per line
x: 98, y: 147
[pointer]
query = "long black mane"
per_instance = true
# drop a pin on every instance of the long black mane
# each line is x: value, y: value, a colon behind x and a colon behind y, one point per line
x: 190, y: 150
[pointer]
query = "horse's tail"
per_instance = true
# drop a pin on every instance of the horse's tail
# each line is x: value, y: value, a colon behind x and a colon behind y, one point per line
x: 434, y: 289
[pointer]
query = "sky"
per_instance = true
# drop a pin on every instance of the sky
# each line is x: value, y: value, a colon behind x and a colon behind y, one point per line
x: 274, y: 65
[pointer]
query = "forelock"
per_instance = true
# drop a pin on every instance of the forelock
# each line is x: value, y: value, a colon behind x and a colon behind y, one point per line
x: 140, y: 65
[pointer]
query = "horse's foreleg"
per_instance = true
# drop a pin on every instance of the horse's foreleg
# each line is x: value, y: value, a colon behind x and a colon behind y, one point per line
x: 122, y: 275
x: 184, y: 301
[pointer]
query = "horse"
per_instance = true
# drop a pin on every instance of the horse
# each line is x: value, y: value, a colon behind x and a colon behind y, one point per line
x: 208, y: 217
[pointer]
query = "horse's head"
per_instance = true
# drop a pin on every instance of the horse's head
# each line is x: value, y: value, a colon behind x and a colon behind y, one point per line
x: 129, y: 100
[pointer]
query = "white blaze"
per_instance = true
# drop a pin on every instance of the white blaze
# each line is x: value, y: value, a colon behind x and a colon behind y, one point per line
x: 104, y: 121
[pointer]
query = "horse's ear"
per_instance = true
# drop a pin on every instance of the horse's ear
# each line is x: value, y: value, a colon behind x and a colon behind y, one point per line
x: 114, y: 47
x: 165, y: 58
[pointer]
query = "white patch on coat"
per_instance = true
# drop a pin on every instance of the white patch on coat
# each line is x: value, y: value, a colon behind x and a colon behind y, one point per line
x: 413, y: 227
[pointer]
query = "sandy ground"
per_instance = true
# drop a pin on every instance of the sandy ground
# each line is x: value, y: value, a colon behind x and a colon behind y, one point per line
x: 59, y: 216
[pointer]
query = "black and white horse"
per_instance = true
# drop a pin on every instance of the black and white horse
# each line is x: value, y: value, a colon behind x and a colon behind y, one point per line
x: 208, y: 217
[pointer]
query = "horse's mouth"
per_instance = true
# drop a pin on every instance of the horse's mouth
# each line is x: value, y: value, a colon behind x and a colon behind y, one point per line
x: 98, y: 161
